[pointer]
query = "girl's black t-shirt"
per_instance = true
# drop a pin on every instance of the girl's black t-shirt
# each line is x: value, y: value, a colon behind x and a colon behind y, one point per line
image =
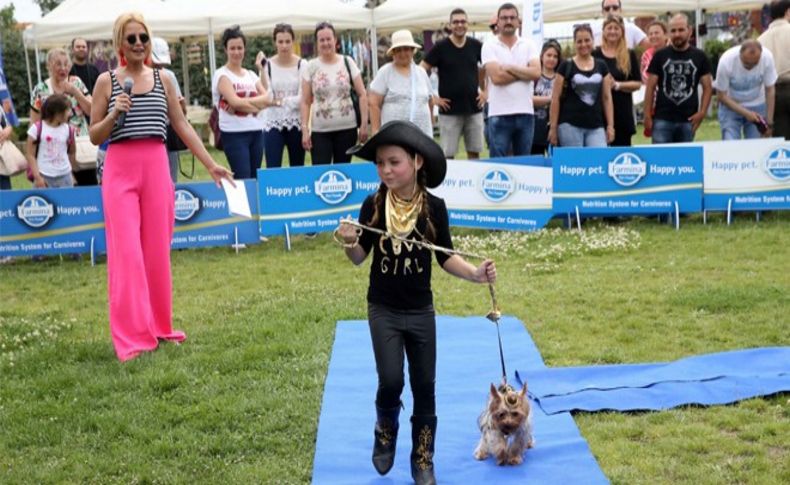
x: 403, y: 281
x: 582, y: 105
x: 622, y: 102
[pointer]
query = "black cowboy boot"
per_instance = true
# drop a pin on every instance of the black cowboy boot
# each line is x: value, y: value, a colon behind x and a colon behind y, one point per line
x: 423, y: 434
x: 386, y: 433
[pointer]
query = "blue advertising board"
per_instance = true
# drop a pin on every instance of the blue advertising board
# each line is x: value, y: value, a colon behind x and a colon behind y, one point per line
x: 203, y: 219
x: 627, y: 181
x: 504, y: 193
x: 51, y: 221
x: 312, y: 199
x: 747, y: 175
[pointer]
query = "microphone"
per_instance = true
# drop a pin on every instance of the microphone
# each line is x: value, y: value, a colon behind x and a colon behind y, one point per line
x: 127, y: 88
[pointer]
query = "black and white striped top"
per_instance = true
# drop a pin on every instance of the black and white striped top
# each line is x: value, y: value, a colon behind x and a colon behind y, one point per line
x: 148, y: 116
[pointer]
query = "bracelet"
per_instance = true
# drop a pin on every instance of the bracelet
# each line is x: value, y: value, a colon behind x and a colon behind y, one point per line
x: 351, y: 245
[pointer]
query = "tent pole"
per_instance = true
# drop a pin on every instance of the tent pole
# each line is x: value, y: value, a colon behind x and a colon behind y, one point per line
x: 697, y: 15
x: 374, y: 45
x: 185, y: 70
x: 27, y: 66
x: 212, y: 55
x: 38, y: 64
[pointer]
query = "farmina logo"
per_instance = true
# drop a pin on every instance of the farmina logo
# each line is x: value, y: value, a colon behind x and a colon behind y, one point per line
x: 35, y: 211
x: 187, y: 205
x: 333, y: 187
x: 497, y: 185
x: 627, y: 169
x: 777, y: 165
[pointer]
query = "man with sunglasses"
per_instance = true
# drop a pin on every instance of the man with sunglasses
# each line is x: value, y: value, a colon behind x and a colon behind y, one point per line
x: 634, y: 36
x: 460, y: 99
x: 511, y: 64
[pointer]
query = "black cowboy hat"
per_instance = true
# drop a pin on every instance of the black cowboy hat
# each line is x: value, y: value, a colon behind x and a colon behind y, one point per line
x: 407, y: 135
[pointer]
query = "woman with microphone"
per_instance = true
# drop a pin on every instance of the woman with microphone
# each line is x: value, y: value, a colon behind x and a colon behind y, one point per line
x: 137, y: 192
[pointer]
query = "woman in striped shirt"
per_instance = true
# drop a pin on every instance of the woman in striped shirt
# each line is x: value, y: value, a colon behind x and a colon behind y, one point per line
x: 137, y: 192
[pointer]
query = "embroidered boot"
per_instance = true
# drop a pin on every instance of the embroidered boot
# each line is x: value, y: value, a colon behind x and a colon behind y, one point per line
x: 386, y: 434
x: 423, y: 434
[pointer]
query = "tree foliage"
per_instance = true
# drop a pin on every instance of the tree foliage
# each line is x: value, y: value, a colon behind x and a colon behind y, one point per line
x: 14, y: 60
x: 47, y: 6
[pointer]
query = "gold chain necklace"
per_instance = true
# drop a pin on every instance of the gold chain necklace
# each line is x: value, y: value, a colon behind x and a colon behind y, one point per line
x: 401, y: 216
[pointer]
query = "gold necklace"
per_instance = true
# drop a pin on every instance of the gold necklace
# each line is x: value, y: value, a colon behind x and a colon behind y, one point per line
x: 401, y: 216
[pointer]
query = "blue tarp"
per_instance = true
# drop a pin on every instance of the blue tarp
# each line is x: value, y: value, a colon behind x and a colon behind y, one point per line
x: 719, y: 378
x: 468, y: 361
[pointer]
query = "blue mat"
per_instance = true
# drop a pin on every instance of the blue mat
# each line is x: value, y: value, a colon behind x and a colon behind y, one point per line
x: 711, y: 379
x: 468, y: 361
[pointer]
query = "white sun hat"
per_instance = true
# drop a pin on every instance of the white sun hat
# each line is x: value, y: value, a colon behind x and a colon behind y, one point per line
x: 402, y: 38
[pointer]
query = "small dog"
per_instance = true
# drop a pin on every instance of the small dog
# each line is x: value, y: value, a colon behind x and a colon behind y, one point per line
x: 505, y: 426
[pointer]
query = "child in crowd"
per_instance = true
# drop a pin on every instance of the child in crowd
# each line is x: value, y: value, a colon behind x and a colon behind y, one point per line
x: 50, y: 145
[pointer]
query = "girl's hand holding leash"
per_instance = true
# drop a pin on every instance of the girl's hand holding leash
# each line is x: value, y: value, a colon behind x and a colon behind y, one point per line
x: 347, y: 235
x: 486, y: 272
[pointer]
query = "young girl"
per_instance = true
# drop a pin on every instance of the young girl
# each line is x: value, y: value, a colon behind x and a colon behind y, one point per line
x: 550, y: 58
x: 50, y: 145
x: 400, y: 301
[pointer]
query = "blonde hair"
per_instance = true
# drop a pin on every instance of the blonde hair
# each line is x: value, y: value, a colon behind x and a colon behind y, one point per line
x: 117, y: 33
x: 56, y: 52
x: 621, y: 49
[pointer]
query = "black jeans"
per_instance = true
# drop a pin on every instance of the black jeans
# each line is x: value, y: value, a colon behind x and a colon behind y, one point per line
x: 393, y: 331
x: 330, y: 147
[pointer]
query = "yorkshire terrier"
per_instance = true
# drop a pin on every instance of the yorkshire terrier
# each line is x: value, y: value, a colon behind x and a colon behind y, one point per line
x: 505, y: 426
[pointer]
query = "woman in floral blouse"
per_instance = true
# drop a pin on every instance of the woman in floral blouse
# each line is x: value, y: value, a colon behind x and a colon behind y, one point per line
x: 326, y: 95
x: 60, y: 82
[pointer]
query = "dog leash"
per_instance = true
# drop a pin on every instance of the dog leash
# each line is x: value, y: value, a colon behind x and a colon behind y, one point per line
x: 416, y: 242
x: 494, y: 315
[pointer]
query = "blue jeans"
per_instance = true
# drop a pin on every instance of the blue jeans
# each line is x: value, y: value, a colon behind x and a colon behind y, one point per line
x: 574, y: 136
x: 510, y: 131
x: 5, y: 182
x: 244, y: 150
x: 733, y: 124
x: 672, y: 131
x: 277, y: 140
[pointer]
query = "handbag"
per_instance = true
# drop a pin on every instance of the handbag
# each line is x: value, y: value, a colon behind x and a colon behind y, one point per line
x: 86, y: 152
x: 12, y: 161
x: 353, y: 94
x: 174, y: 142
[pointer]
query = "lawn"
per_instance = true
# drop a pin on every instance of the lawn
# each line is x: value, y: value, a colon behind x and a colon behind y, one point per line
x: 239, y: 401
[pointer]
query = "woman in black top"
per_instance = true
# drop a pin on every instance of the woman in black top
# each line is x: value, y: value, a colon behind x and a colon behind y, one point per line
x: 623, y: 67
x: 400, y: 300
x: 581, y: 99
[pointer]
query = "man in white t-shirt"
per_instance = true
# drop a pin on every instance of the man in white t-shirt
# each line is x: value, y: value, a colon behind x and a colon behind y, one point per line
x: 512, y: 64
x: 744, y: 84
x: 634, y: 36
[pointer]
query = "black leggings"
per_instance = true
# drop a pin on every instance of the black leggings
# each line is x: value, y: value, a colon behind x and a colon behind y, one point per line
x: 330, y: 147
x: 393, y: 331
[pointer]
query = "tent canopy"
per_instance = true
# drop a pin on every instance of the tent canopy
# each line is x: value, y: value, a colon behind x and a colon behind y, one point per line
x: 171, y: 19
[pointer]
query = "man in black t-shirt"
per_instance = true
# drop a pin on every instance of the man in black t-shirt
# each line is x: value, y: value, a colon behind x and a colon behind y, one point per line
x: 677, y: 71
x: 80, y: 66
x: 460, y: 101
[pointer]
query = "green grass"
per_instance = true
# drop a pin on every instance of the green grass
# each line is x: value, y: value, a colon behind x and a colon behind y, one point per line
x: 239, y: 401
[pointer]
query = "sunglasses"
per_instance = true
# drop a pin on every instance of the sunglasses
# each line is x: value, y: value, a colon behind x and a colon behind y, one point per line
x: 131, y: 39
x: 611, y: 8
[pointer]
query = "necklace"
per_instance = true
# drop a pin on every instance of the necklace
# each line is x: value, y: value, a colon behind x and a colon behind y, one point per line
x: 401, y: 216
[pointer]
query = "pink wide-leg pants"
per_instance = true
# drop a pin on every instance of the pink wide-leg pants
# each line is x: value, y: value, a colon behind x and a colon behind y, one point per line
x: 137, y: 194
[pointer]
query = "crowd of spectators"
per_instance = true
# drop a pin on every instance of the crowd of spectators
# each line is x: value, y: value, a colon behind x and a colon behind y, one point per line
x: 534, y: 97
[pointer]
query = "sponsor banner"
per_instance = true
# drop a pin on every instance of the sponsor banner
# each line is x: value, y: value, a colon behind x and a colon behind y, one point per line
x: 513, y: 193
x: 747, y: 175
x: 51, y: 221
x: 532, y: 21
x: 312, y: 199
x: 623, y: 181
x: 203, y: 219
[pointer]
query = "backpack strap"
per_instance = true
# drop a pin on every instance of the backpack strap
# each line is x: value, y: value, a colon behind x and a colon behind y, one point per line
x: 350, y: 79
